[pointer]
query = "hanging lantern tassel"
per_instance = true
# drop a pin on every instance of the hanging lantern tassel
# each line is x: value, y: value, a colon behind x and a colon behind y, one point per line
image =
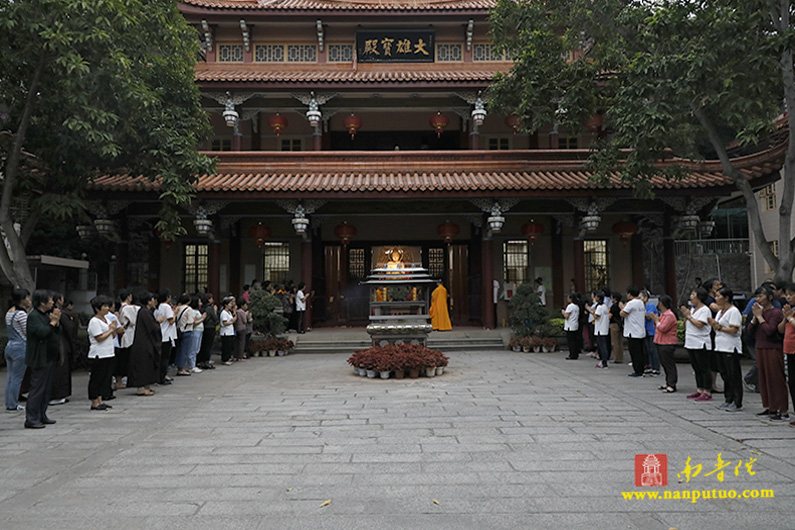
x: 278, y: 123
x: 353, y: 123
x: 532, y: 230
x: 447, y: 231
x: 513, y: 122
x: 439, y: 121
x: 625, y: 230
x: 345, y: 232
x: 260, y: 233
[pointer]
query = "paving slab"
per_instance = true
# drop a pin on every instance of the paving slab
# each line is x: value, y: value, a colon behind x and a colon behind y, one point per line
x: 500, y: 441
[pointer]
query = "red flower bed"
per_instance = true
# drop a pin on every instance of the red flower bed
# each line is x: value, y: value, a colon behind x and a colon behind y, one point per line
x: 394, y: 357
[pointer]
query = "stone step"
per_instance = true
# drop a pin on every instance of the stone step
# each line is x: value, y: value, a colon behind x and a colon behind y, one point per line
x: 349, y: 346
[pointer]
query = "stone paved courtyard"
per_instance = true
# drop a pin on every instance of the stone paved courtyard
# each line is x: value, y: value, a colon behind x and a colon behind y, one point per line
x: 501, y: 441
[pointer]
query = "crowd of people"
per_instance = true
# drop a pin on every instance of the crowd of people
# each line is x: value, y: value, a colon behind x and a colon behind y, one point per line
x: 134, y: 342
x: 716, y: 336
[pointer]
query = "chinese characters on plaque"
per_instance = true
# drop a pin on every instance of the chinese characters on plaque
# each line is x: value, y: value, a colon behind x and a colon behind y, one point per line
x: 395, y: 46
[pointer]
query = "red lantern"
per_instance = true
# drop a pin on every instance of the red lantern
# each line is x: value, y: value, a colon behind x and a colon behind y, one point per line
x: 513, y: 122
x: 594, y: 123
x: 353, y: 123
x: 447, y: 231
x: 625, y: 229
x: 345, y: 232
x: 260, y: 233
x: 439, y: 121
x: 277, y: 123
x: 532, y: 230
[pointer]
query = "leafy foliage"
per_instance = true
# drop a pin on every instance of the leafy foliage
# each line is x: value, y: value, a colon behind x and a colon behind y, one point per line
x: 100, y: 87
x: 528, y: 317
x: 670, y: 77
x: 262, y: 306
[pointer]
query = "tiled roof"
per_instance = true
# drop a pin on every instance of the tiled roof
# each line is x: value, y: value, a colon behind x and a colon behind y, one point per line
x: 346, y: 5
x: 336, y: 74
x: 523, y: 172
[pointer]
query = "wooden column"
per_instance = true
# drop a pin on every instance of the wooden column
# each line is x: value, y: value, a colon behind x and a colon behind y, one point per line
x: 121, y: 264
x: 637, y: 261
x: 558, y: 286
x: 579, y: 264
x: 235, y: 258
x: 214, y: 269
x: 554, y: 140
x: 669, y: 265
x: 474, y: 138
x: 154, y: 264
x: 317, y: 139
x: 256, y: 132
x: 487, y: 287
x: 306, y: 277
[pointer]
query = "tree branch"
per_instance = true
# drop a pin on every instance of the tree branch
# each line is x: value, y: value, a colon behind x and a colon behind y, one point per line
x: 742, y: 184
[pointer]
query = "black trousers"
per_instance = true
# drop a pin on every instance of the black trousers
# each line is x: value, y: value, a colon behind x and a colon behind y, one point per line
x: 573, y: 339
x: 601, y: 343
x: 206, y: 349
x: 39, y: 394
x: 99, y: 382
x: 299, y: 319
x: 699, y: 360
x: 637, y: 353
x: 122, y: 364
x: 730, y: 371
x: 165, y: 357
x: 668, y: 362
x: 791, y: 376
x: 227, y: 345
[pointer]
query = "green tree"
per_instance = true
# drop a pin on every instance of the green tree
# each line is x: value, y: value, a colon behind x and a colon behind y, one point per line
x: 692, y: 77
x: 93, y: 88
x: 528, y: 317
x: 262, y: 306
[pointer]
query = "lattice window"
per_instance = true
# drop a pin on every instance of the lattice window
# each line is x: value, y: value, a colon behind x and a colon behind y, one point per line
x: 516, y: 261
x: 291, y: 144
x: 356, y: 266
x: 195, y: 267
x: 436, y: 262
x: 275, y: 262
x: 301, y: 53
x: 597, y: 270
x: 222, y: 144
x: 486, y: 52
x: 499, y: 144
x: 269, y: 53
x: 567, y: 142
x: 449, y: 52
x: 340, y: 53
x: 230, y: 53
x: 768, y: 196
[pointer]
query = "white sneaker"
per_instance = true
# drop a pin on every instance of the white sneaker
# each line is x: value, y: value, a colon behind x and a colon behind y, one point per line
x: 196, y: 370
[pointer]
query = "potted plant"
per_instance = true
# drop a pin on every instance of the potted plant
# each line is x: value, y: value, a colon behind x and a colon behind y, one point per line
x: 549, y: 344
x: 525, y: 343
x: 535, y: 343
x: 514, y: 344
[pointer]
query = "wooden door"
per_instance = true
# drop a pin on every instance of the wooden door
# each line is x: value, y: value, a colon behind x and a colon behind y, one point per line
x: 458, y: 284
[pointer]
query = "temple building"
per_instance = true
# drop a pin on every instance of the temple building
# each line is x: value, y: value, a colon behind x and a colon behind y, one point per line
x: 341, y: 127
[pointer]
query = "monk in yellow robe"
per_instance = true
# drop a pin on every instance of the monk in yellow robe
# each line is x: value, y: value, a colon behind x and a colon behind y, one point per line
x: 440, y: 318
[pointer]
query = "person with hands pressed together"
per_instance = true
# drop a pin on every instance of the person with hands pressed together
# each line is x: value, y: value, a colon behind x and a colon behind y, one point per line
x: 764, y: 326
x: 728, y: 347
x: 227, y: 318
x: 572, y: 326
x: 42, y: 350
x: 787, y: 328
x: 634, y: 314
x: 665, y: 339
x: 101, y: 332
x: 698, y: 343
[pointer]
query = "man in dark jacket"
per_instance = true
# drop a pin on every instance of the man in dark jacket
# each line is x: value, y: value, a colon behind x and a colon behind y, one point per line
x: 43, y: 349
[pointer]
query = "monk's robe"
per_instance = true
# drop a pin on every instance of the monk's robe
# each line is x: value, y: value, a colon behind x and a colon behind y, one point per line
x: 440, y: 318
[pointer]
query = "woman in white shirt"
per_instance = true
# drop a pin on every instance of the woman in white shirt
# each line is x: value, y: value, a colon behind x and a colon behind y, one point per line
x: 128, y: 314
x: 729, y: 348
x: 164, y: 314
x: 698, y: 343
x: 601, y: 326
x: 572, y: 325
x: 227, y: 318
x: 198, y: 332
x: 101, y: 332
x: 184, y: 324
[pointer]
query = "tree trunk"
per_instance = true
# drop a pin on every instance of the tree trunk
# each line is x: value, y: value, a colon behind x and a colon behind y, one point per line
x: 786, y: 251
x: 13, y: 258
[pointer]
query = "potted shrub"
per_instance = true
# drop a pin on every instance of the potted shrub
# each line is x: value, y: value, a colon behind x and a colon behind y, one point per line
x: 525, y: 343
x: 526, y: 312
x: 549, y: 344
x: 535, y: 343
x: 514, y: 344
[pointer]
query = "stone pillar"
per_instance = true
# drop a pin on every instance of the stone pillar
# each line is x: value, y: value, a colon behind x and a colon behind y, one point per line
x: 637, y: 261
x: 558, y: 285
x: 579, y: 264
x: 488, y: 283
x: 474, y: 137
x: 214, y: 269
x: 306, y: 277
x: 554, y: 140
x: 235, y: 257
